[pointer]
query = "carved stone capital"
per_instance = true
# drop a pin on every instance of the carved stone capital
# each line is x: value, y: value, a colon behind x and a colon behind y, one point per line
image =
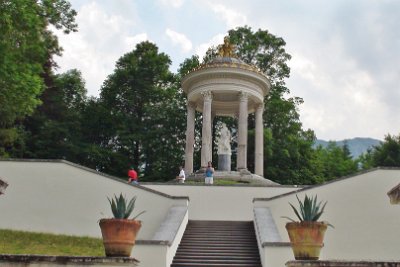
x: 243, y: 96
x: 260, y: 107
x: 207, y: 95
x: 191, y: 105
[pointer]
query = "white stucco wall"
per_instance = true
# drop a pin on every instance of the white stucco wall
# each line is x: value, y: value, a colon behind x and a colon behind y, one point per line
x: 366, y: 225
x: 221, y: 202
x: 275, y: 256
x: 60, y: 198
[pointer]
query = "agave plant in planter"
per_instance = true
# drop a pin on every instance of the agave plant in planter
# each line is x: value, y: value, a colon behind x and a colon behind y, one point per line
x: 306, y: 235
x: 119, y: 233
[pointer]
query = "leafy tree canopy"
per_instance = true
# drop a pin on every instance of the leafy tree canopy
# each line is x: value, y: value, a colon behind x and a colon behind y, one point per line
x: 26, y: 44
x: 387, y: 154
x: 143, y: 99
x: 54, y: 130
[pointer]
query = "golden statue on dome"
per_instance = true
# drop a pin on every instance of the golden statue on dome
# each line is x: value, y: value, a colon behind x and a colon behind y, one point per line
x: 226, y: 49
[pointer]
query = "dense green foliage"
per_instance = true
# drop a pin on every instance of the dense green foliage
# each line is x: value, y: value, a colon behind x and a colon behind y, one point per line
x: 26, y: 50
x: 20, y: 242
x: 387, y: 154
x: 56, y: 125
x: 147, y: 114
x: 335, y: 161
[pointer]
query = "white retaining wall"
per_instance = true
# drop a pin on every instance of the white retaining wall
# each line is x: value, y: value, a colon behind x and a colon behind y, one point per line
x: 367, y: 226
x: 221, y: 202
x: 57, y: 197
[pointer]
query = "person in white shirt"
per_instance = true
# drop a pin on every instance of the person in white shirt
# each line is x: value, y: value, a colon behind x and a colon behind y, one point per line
x: 181, y: 177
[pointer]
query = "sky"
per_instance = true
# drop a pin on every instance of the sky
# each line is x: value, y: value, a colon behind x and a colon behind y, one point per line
x: 345, y: 54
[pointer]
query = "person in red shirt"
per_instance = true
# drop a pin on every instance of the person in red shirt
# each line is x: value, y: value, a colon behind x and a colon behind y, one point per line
x: 132, y: 176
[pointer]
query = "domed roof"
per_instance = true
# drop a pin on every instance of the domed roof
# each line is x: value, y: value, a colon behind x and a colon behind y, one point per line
x: 227, y: 59
x: 220, y: 59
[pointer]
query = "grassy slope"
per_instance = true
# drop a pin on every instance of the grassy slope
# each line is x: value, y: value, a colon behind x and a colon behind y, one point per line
x: 19, y: 242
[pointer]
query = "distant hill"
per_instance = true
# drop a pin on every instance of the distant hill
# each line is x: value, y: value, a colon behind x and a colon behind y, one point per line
x: 357, y: 145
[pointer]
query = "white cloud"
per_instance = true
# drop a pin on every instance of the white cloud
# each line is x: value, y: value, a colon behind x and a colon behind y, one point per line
x: 231, y: 17
x: 201, y: 49
x: 341, y: 99
x: 304, y: 67
x: 179, y: 39
x: 102, y: 38
x: 173, y: 3
x: 130, y: 41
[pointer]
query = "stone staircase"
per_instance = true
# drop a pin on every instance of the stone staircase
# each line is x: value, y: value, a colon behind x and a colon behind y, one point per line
x: 218, y: 243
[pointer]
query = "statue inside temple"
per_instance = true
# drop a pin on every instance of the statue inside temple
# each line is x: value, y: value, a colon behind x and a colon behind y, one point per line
x: 224, y: 140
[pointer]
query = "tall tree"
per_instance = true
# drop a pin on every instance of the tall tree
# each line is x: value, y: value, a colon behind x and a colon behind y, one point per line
x: 54, y: 130
x: 143, y: 101
x: 26, y: 45
x: 335, y: 161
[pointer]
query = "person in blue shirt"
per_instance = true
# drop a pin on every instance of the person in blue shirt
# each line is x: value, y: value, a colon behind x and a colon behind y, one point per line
x: 209, y: 174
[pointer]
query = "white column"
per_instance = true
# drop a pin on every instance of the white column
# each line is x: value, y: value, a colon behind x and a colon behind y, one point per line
x: 189, y: 138
x: 259, y: 142
x: 242, y: 133
x: 206, y: 130
x: 211, y: 141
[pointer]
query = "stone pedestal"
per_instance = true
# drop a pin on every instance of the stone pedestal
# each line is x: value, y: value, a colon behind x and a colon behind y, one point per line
x: 224, y: 162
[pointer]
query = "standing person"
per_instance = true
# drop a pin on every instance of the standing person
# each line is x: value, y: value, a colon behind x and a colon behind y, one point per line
x: 181, y: 177
x: 132, y: 176
x: 209, y: 174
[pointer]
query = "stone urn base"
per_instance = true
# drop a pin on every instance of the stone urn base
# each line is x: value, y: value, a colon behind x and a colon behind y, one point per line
x: 224, y: 162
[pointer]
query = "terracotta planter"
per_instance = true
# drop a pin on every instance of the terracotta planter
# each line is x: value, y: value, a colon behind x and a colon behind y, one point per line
x: 119, y: 236
x: 306, y: 239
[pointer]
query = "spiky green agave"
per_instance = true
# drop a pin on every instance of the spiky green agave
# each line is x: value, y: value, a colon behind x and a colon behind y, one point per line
x: 310, y: 210
x: 120, y: 207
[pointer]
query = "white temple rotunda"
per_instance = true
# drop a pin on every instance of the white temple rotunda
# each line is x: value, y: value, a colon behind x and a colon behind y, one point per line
x: 225, y: 87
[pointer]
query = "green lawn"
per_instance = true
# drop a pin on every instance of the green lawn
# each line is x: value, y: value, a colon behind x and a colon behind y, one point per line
x: 19, y: 242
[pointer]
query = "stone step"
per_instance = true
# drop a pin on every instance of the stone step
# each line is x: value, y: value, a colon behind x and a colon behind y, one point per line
x: 217, y: 260
x: 221, y: 231
x: 206, y: 257
x: 218, y: 243
x: 238, y: 241
x: 215, y: 264
x: 195, y: 253
x: 221, y: 247
x: 217, y: 237
x: 220, y: 228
